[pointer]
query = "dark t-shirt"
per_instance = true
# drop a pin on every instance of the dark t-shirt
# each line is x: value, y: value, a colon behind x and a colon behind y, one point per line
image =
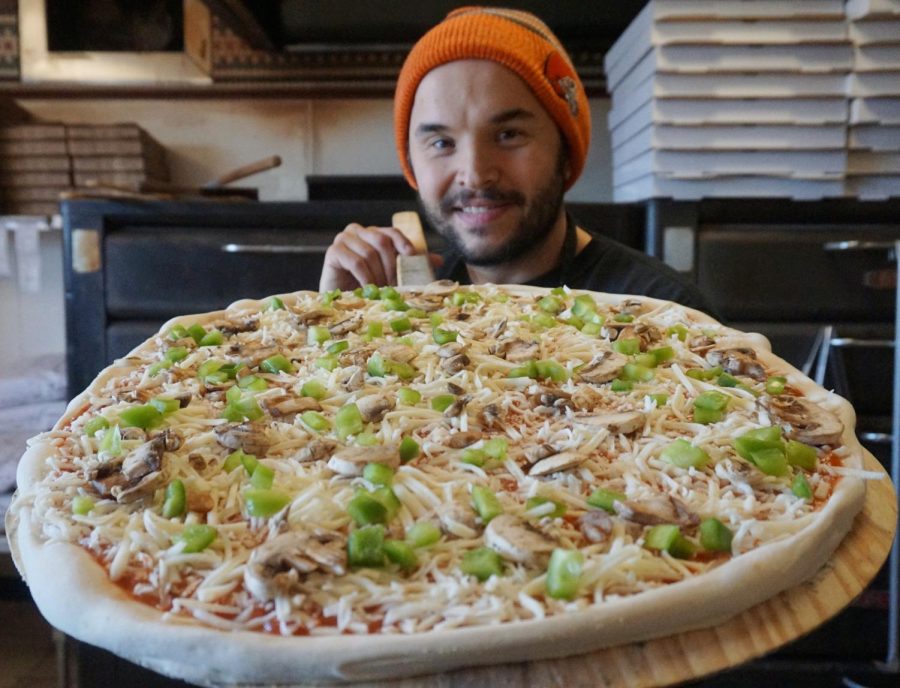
x: 604, y: 265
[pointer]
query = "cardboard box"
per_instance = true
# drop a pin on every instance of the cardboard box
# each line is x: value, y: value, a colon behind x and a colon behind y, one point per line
x: 645, y: 32
x: 875, y: 84
x: 719, y: 59
x: 875, y: 110
x: 874, y: 187
x: 652, y: 186
x: 22, y: 179
x: 702, y: 164
x: 880, y: 31
x: 32, y: 194
x: 876, y: 58
x: 864, y: 162
x: 876, y: 137
x: 731, y: 137
x: 856, y: 9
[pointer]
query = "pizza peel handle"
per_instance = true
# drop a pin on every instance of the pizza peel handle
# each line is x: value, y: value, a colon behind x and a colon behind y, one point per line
x: 415, y: 269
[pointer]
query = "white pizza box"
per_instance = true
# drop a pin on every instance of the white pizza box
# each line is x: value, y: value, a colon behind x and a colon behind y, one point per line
x: 856, y: 9
x: 830, y: 164
x: 866, y: 162
x: 875, y: 110
x: 653, y: 186
x: 874, y: 187
x: 729, y: 137
x: 874, y: 32
x: 742, y: 9
x: 628, y: 98
x: 876, y: 58
x: 874, y: 84
x: 697, y: 111
x: 876, y: 137
x: 709, y: 86
x: 727, y: 59
x: 645, y: 32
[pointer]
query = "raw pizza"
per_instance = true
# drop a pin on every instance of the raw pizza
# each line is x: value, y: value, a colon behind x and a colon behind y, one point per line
x: 380, y: 483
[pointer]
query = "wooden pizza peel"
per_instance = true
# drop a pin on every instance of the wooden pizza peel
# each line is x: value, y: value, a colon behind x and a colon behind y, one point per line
x: 694, y: 654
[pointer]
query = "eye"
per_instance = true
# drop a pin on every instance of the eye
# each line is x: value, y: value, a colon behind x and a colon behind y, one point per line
x: 441, y: 144
x: 510, y: 135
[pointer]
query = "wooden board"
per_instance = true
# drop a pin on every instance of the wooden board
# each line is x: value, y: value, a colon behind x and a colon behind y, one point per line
x: 685, y: 656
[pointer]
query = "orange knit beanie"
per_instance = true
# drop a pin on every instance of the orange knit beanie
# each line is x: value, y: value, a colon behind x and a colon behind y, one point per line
x: 517, y: 40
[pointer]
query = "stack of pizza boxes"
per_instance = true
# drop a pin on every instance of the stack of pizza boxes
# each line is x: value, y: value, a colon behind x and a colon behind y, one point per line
x: 34, y: 168
x: 731, y: 99
x: 118, y: 156
x: 874, y: 137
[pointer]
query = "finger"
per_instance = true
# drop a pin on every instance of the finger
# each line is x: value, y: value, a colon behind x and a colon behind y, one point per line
x: 385, y: 242
x: 436, y: 260
x: 363, y: 260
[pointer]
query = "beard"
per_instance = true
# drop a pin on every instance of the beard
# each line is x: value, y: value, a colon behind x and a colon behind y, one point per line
x: 539, y: 216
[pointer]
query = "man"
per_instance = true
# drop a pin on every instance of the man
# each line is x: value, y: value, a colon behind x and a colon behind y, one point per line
x: 492, y: 127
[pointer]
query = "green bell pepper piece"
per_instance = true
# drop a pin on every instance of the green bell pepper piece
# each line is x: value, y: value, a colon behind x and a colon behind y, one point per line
x: 313, y: 389
x: 379, y: 474
x: 715, y: 536
x: 175, y: 503
x: 604, y: 499
x: 82, y: 505
x: 481, y: 563
x: 265, y: 503
x: 409, y: 449
x: 668, y: 538
x: 423, y: 534
x: 212, y: 338
x: 196, y: 537
x: 401, y: 554
x: 408, y: 396
x: 442, y: 402
x: 276, y: 364
x: 315, y: 421
x: 628, y: 346
x: 144, y: 416
x: 94, y: 425
x: 559, y: 509
x: 365, y: 547
x: 442, y: 336
x: 365, y: 509
x: 348, y: 421
x: 800, y: 487
x: 684, y: 455
x: 262, y: 477
x: 563, y: 573
x: 487, y: 505
x: 801, y: 455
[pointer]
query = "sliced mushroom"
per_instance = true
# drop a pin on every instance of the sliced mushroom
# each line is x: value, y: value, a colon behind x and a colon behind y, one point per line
x: 316, y: 450
x: 254, y: 354
x: 345, y: 326
x: 454, y: 388
x: 596, y: 525
x: 516, y: 350
x: 647, y: 335
x: 617, y: 423
x: 355, y: 380
x: 249, y: 437
x: 631, y: 307
x: 453, y: 365
x: 443, y: 287
x: 450, y: 350
x: 605, y: 366
x: 459, y: 520
x: 429, y: 304
x: 548, y: 400
x: 312, y: 316
x: 373, y: 406
x: 656, y: 511
x: 808, y: 422
x: 398, y: 352
x: 557, y: 462
x: 285, y: 406
x: 134, y: 476
x: 490, y: 415
x: 701, y: 344
x: 350, y: 461
x: 232, y: 327
x: 537, y: 452
x: 496, y: 329
x: 457, y: 407
x: 463, y: 439
x: 737, y: 361
x: 515, y: 541
x: 356, y: 357
x: 276, y: 568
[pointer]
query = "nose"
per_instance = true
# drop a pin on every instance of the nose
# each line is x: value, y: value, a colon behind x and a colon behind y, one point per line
x: 478, y: 168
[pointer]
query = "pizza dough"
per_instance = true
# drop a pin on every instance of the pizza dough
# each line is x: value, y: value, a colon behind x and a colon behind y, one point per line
x: 541, y: 423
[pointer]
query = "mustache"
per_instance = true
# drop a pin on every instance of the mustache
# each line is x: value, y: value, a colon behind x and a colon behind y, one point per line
x: 466, y: 196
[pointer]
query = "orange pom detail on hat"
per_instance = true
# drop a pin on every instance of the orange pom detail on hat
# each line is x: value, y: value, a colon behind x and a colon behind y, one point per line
x: 520, y: 42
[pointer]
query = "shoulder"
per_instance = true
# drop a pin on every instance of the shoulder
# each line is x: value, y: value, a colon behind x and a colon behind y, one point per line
x: 609, y: 266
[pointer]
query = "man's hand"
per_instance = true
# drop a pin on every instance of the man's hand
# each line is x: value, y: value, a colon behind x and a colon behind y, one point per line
x: 365, y: 255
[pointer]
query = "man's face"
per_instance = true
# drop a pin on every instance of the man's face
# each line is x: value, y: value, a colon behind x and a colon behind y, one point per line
x: 488, y: 160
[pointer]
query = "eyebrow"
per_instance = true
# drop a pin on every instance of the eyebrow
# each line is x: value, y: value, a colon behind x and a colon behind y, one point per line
x: 500, y: 118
